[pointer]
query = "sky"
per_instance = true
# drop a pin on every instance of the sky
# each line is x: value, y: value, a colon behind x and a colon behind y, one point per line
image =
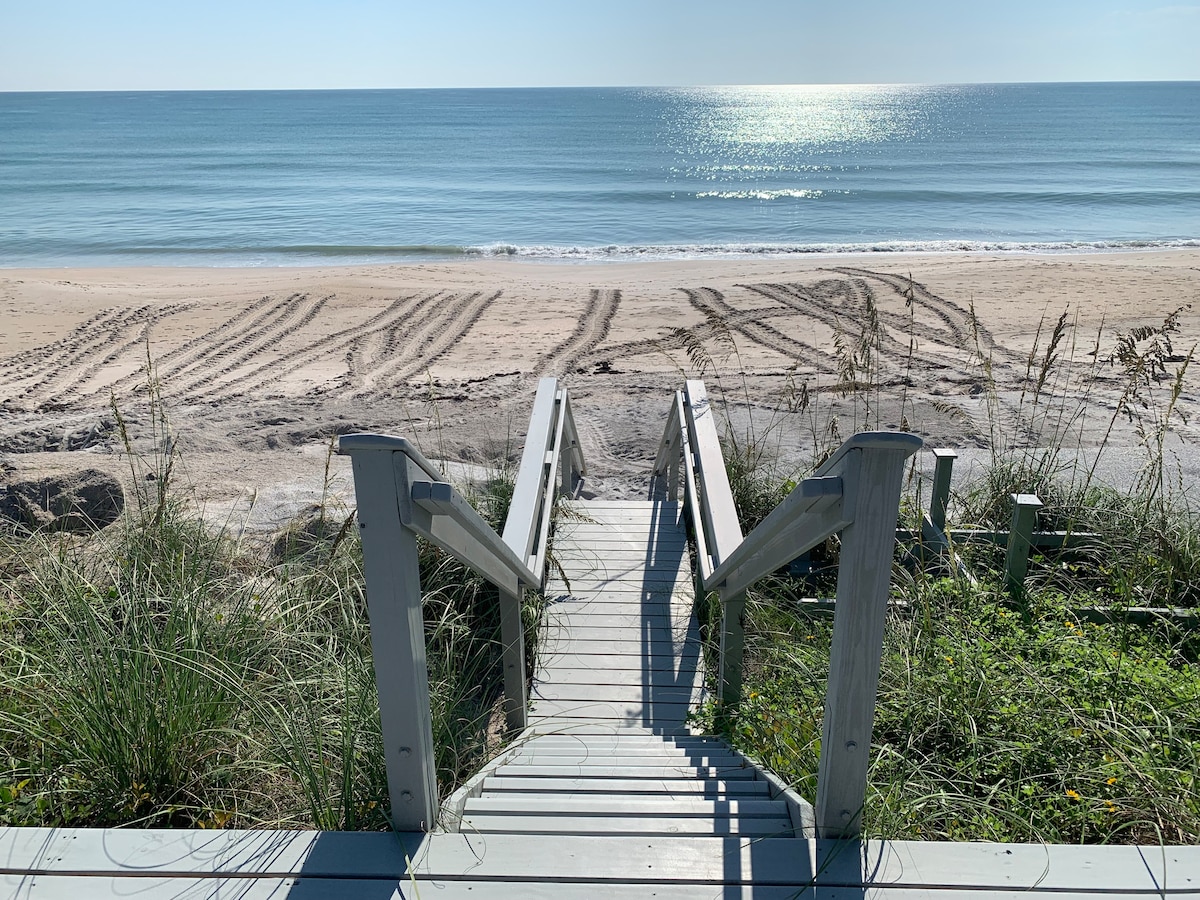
x: 54, y: 45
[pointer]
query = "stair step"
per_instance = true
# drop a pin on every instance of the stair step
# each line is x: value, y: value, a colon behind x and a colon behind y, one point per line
x: 586, y: 759
x: 667, y: 787
x: 658, y: 773
x: 638, y: 805
x: 650, y: 825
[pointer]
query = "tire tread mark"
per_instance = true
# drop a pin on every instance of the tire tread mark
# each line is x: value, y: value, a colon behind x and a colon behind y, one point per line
x: 303, y: 357
x: 590, y: 331
x: 711, y: 301
x: 300, y: 312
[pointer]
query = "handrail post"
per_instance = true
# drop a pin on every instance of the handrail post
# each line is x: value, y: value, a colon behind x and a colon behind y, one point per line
x: 943, y: 468
x: 731, y: 648
x: 1020, y: 539
x: 673, y: 470
x: 382, y: 484
x: 512, y: 634
x: 871, y: 502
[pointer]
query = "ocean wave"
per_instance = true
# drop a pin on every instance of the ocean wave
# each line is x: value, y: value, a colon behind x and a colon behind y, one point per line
x: 370, y: 254
x: 762, y: 194
x: 697, y: 251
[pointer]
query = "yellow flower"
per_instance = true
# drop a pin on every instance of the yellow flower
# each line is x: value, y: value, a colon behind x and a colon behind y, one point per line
x: 1113, y: 780
x: 1074, y: 795
x: 1112, y: 807
x: 950, y: 659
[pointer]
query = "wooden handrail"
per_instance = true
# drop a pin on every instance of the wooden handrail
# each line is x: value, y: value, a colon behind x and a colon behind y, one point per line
x: 855, y: 493
x: 551, y: 448
x: 402, y: 495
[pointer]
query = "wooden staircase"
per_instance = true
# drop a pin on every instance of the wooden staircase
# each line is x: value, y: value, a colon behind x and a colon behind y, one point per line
x: 608, y: 750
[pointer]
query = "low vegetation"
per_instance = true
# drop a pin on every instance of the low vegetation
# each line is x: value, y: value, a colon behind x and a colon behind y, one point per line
x: 161, y: 673
x: 1048, y: 715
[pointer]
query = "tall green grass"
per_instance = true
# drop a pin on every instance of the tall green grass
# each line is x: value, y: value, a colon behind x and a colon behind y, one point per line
x: 160, y: 673
x: 1000, y: 719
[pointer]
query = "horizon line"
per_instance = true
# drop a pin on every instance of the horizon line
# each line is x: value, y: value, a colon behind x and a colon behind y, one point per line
x: 515, y: 87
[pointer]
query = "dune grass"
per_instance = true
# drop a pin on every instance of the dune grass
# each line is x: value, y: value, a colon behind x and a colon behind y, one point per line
x: 160, y: 673
x: 1002, y: 718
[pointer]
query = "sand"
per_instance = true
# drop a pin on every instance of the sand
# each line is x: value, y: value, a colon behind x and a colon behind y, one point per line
x: 259, y: 367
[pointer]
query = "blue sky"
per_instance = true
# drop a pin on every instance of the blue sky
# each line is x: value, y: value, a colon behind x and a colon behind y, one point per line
x: 165, y: 45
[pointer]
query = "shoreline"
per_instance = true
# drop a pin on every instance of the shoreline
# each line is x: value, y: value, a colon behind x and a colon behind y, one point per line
x: 260, y: 366
x: 375, y: 257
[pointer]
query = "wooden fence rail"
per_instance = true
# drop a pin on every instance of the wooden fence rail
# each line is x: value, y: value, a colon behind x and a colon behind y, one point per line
x: 855, y: 493
x: 402, y: 496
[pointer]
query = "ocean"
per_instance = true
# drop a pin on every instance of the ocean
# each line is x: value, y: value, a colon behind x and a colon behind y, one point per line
x: 319, y: 177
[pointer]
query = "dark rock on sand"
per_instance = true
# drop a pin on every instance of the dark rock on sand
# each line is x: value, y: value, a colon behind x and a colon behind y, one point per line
x: 80, y: 501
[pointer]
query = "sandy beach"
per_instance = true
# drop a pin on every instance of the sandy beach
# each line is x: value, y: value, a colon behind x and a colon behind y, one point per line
x: 260, y: 367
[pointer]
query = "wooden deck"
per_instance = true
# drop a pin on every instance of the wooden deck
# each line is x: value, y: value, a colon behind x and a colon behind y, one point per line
x: 606, y: 794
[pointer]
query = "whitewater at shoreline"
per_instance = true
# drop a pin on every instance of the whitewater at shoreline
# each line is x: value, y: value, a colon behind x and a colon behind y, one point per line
x: 259, y: 367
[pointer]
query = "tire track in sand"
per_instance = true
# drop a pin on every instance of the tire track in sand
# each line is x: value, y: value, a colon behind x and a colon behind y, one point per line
x: 841, y: 305
x: 957, y: 319
x: 170, y: 364
x: 412, y: 351
x: 55, y: 373
x: 204, y: 375
x: 134, y: 345
x: 589, y: 332
x: 712, y: 303
x: 304, y: 357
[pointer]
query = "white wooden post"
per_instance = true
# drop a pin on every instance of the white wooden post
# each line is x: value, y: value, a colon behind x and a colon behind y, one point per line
x: 871, y: 481
x: 673, y: 468
x: 732, y: 647
x: 512, y: 633
x: 1020, y: 538
x: 382, y: 484
x: 943, y: 468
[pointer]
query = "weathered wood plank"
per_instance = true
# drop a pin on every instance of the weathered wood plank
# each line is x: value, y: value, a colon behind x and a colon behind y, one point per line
x: 651, y: 629
x: 634, y: 737
x: 651, y: 601
x: 195, y: 852
x: 1060, y: 870
x: 108, y: 887
x: 577, y: 890
x: 628, y: 758
x: 382, y: 483
x: 625, y: 807
x: 585, y: 584
x: 872, y: 474
x: 604, y: 825
x: 602, y: 618
x: 721, y: 524
x: 553, y: 661
x: 687, y: 674
x: 620, y: 770
x: 663, y: 787
x: 610, y: 693
x: 633, y: 713
x: 520, y: 528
